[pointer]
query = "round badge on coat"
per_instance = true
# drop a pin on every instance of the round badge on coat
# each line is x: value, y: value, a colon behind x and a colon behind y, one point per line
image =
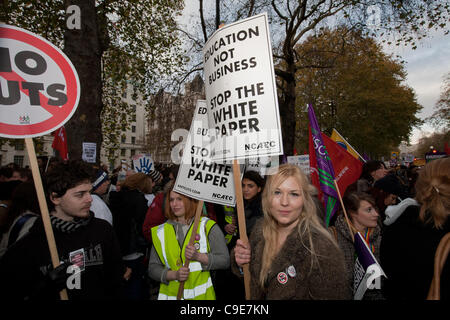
x: 196, y: 245
x: 291, y: 271
x: 282, y: 278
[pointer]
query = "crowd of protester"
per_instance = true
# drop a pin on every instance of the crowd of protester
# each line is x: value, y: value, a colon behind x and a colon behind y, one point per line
x: 125, y: 235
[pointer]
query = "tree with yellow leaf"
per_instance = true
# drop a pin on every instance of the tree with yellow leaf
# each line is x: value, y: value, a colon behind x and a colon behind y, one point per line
x: 357, y: 89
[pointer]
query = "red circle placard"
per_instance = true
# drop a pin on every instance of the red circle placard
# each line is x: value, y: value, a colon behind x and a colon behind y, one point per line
x: 59, y: 114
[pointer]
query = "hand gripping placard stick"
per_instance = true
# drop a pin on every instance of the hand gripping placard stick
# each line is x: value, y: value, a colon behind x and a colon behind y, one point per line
x: 44, y: 209
x: 198, y: 215
x: 241, y: 221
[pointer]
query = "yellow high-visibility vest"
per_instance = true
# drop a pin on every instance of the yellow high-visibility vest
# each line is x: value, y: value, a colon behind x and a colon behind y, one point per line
x: 229, y: 212
x: 199, y: 284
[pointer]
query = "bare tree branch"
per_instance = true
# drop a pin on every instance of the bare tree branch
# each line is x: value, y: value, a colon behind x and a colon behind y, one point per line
x: 191, y: 38
x: 287, y: 76
x: 252, y: 7
x: 202, y: 21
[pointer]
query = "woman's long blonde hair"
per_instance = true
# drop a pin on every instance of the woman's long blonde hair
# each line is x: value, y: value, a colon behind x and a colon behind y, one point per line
x: 308, y: 224
x: 433, y: 192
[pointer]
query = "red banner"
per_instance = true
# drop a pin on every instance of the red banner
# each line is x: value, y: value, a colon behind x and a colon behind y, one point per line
x: 347, y: 168
x: 60, y: 143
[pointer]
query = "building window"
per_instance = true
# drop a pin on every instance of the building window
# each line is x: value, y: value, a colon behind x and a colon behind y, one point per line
x: 133, y: 152
x: 123, y: 139
x: 133, y: 140
x: 19, y: 144
x: 133, y: 129
x: 18, y: 160
x: 123, y: 152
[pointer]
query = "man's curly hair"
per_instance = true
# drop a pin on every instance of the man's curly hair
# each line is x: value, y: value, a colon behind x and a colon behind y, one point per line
x: 66, y: 175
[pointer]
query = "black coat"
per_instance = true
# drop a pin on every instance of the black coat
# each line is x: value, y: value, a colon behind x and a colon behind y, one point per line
x: 129, y: 208
x: 21, y: 268
x: 407, y: 252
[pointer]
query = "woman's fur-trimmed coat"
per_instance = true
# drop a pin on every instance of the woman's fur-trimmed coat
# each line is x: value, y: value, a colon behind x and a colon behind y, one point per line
x: 345, y: 242
x: 291, y: 276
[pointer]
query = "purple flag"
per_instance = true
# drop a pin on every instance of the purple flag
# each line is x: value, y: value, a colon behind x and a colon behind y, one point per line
x: 366, y: 157
x: 367, y: 270
x: 325, y: 168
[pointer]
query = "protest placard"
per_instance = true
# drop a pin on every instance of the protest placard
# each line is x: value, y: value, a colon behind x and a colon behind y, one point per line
x: 143, y: 163
x: 241, y: 91
x: 301, y: 161
x: 199, y: 177
x: 89, y: 152
x: 42, y: 89
x: 263, y: 165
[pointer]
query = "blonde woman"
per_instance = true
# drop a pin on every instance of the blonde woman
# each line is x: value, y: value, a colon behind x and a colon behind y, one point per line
x: 291, y: 254
x: 409, y: 244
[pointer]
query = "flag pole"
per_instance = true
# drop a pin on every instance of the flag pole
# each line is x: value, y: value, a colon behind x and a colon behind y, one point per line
x: 48, y: 161
x: 350, y: 145
x: 345, y: 212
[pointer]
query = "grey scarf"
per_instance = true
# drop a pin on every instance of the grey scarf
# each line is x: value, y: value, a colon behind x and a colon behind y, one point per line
x: 69, y: 226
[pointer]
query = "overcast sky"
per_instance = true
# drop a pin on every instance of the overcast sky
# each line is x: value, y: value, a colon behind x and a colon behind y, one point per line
x: 426, y: 67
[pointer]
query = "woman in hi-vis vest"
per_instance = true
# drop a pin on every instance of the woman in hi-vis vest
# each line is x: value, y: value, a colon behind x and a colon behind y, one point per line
x: 171, y: 248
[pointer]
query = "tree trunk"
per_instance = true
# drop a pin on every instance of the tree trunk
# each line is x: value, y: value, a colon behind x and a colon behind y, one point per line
x: 84, y: 49
x: 287, y: 108
x: 287, y: 114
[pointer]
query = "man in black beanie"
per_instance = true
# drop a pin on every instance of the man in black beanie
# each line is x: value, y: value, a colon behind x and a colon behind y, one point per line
x: 388, y: 191
x: 99, y: 188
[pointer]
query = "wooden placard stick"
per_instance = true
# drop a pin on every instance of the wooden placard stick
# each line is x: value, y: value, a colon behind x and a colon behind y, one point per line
x: 44, y: 209
x: 345, y: 212
x: 241, y: 222
x: 198, y: 214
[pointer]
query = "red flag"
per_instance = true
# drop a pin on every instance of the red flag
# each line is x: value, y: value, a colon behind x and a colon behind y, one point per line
x: 447, y: 148
x: 60, y: 143
x: 347, y: 168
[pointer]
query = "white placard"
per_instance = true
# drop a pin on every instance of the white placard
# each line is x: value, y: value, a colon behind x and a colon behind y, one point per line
x: 199, y: 177
x: 241, y: 91
x: 301, y: 161
x: 89, y: 152
x: 263, y: 165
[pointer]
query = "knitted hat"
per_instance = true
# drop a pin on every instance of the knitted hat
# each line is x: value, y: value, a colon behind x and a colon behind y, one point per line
x: 391, y: 184
x: 155, y: 175
x: 101, y: 177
